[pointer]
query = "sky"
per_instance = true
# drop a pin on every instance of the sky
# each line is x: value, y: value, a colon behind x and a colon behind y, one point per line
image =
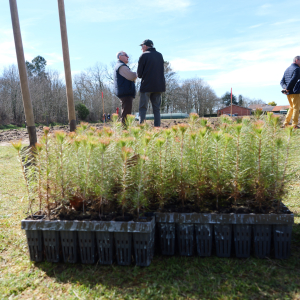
x: 243, y: 45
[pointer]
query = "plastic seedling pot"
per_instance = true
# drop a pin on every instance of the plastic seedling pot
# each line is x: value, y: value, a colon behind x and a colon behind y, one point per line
x: 52, y: 245
x: 89, y: 238
x: 204, y: 237
x: 242, y: 240
x: 262, y: 240
x: 220, y: 225
x: 185, y: 239
x: 167, y: 238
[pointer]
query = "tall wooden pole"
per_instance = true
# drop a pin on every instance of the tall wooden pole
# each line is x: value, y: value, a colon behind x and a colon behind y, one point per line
x: 67, y: 65
x: 23, y: 73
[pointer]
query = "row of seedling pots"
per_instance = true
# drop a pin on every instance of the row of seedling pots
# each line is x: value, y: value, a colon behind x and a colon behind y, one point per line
x: 90, y: 242
x: 225, y: 234
x: 185, y: 234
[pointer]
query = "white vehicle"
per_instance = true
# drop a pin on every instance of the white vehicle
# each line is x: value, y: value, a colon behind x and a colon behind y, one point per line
x: 283, y: 111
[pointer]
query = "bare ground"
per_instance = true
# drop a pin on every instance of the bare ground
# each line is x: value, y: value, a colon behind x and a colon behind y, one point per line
x: 6, y: 136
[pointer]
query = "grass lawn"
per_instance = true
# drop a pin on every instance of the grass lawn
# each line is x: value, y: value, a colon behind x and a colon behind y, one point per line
x: 166, y: 278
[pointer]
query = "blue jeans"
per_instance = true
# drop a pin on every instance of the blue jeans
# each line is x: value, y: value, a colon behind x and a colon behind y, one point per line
x: 155, y: 99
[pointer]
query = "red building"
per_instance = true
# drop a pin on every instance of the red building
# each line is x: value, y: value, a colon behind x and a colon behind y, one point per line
x: 239, y: 110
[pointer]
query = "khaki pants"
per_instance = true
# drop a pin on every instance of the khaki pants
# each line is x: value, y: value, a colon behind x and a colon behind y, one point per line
x: 293, y: 112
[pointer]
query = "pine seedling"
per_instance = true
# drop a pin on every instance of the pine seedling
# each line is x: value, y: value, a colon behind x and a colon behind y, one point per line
x: 290, y: 132
x: 194, y: 166
x: 239, y: 120
x: 203, y: 122
x: 159, y: 144
x: 91, y: 145
x: 37, y: 151
x: 217, y: 136
x: 257, y: 113
x: 125, y: 176
x: 130, y: 121
x: 18, y: 146
x: 225, y: 119
x: 47, y: 169
x: 273, y: 122
x: 278, y: 145
x: 193, y: 120
x: 107, y: 131
x: 259, y: 188
x: 115, y: 117
x: 103, y: 144
x: 141, y: 173
x: 237, y: 129
x: 182, y: 129
x: 60, y: 137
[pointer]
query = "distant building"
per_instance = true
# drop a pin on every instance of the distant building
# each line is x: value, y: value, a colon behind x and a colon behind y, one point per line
x: 263, y: 107
x: 277, y: 109
x: 258, y: 106
x: 239, y: 110
x: 268, y: 108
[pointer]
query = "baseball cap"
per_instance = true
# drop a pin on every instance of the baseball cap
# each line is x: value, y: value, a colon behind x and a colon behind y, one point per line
x: 148, y: 43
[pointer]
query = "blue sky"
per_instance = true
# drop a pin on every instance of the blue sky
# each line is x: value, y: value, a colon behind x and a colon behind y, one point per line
x: 245, y: 45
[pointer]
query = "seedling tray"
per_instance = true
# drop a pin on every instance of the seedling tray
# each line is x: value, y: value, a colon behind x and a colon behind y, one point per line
x: 90, y: 241
x: 223, y: 229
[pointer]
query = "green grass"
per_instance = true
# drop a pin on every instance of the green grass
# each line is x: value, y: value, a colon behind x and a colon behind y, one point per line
x: 166, y: 278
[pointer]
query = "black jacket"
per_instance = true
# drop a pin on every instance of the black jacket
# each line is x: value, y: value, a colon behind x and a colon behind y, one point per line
x: 123, y: 86
x: 290, y: 78
x: 151, y: 70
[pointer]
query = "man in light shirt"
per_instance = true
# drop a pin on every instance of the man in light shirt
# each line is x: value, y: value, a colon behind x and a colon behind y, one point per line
x: 124, y: 82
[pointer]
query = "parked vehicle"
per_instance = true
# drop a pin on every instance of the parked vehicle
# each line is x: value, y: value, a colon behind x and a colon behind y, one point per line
x: 167, y: 116
x: 283, y: 111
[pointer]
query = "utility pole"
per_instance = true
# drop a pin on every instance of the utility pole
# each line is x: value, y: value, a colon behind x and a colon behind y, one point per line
x: 67, y: 65
x: 23, y: 73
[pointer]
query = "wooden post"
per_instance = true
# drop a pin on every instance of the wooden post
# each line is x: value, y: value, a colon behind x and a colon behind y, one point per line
x: 23, y: 73
x: 67, y: 65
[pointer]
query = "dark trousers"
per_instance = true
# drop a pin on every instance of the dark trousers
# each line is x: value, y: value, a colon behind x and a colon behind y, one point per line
x: 126, y: 107
x: 155, y: 99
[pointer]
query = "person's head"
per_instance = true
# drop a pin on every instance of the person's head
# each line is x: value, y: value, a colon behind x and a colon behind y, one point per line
x: 146, y: 44
x: 296, y: 60
x: 122, y: 56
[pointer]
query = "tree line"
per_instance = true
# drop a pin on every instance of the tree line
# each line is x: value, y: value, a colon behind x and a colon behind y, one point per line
x: 48, y: 93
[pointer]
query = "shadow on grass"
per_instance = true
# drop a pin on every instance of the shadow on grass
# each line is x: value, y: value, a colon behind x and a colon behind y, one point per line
x: 178, y: 277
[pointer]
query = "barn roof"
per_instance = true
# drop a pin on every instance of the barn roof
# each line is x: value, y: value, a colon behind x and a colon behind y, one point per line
x: 278, y: 108
x: 234, y: 105
x: 255, y: 106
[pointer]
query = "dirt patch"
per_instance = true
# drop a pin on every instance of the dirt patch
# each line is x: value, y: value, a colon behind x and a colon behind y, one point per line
x: 6, y: 136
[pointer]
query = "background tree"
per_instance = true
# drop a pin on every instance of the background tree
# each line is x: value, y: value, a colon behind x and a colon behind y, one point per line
x: 82, y: 111
x: 240, y: 102
x: 226, y: 99
x: 37, y: 66
x: 273, y: 103
x: 249, y: 101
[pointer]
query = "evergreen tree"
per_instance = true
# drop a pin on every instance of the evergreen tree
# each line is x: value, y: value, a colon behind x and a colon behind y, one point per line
x: 82, y: 110
x: 226, y: 99
x: 241, y: 101
x: 37, y: 66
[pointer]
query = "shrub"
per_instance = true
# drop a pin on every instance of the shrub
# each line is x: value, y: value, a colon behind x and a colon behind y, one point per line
x: 82, y: 110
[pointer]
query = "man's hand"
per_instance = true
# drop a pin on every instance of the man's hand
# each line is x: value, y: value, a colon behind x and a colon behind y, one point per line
x: 284, y: 91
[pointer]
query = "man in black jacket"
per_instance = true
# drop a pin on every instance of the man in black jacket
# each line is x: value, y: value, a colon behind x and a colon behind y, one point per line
x: 288, y: 81
x: 151, y: 70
